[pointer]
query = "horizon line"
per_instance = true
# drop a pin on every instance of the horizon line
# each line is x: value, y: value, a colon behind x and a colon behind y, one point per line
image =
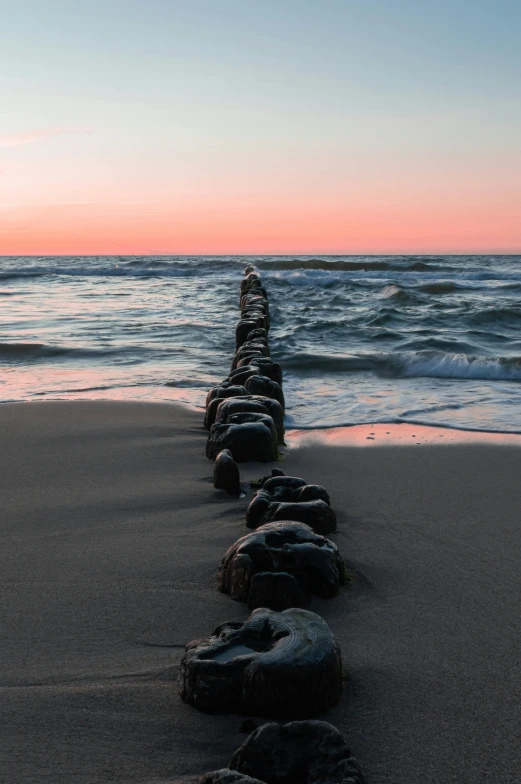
x: 253, y: 255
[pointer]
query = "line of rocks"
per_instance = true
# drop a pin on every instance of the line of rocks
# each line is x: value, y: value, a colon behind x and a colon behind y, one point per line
x: 283, y: 662
x: 245, y: 412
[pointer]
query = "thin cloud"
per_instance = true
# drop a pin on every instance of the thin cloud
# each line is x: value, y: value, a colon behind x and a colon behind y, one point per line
x: 31, y: 137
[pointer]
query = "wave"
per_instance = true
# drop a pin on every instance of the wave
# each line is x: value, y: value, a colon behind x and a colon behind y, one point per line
x: 497, y: 314
x: 23, y: 350
x: 395, y: 292
x: 434, y: 364
x: 115, y: 272
x: 31, y: 350
x: 372, y: 276
x: 410, y: 364
x: 291, y: 269
x: 441, y: 287
x: 344, y: 265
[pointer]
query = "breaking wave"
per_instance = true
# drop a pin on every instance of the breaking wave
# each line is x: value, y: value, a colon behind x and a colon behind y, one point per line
x: 410, y: 364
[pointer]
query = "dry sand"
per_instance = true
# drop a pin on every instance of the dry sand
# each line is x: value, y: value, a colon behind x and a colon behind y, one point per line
x: 111, y: 536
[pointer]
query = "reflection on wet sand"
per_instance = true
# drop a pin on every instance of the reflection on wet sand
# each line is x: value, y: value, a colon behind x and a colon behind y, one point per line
x: 396, y: 434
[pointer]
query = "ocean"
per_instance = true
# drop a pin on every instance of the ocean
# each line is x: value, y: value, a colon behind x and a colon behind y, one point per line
x: 361, y: 339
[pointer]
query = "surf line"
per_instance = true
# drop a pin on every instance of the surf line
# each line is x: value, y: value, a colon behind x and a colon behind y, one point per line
x: 283, y: 662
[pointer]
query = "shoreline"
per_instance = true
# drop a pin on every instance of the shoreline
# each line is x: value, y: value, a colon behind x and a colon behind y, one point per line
x: 348, y: 435
x: 112, y: 537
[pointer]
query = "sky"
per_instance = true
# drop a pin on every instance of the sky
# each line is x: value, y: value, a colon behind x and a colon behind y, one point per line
x: 260, y: 126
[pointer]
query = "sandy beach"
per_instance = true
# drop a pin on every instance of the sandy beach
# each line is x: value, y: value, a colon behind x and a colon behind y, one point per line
x: 111, y: 536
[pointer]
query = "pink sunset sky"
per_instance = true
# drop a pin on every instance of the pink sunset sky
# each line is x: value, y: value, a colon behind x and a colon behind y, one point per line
x: 232, y: 127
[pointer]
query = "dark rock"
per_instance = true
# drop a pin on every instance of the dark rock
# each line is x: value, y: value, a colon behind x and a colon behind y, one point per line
x: 262, y: 385
x: 259, y: 334
x: 249, y: 268
x: 247, y: 355
x: 254, y: 403
x: 260, y: 318
x: 275, y: 664
x: 257, y: 309
x: 267, y: 366
x: 255, y: 300
x: 226, y: 475
x: 243, y: 330
x: 251, y: 441
x: 256, y: 314
x: 249, y: 416
x: 251, y: 348
x: 253, y: 275
x: 292, y: 488
x: 251, y: 281
x: 301, y: 752
x: 254, y: 345
x: 254, y: 305
x: 215, y: 396
x: 283, y: 488
x: 252, y: 284
x: 239, y: 375
x: 227, y: 776
x: 290, y: 498
x: 313, y: 562
x: 248, y: 725
x: 223, y: 390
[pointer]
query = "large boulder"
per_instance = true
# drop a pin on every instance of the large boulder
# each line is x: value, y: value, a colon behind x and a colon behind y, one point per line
x: 252, y: 567
x: 217, y: 394
x: 253, y: 416
x: 253, y: 403
x: 226, y: 388
x: 290, y: 498
x: 249, y: 348
x: 267, y: 366
x: 301, y: 752
x: 295, y: 489
x: 250, y: 441
x: 226, y: 475
x: 262, y: 385
x: 284, y: 665
x: 246, y: 355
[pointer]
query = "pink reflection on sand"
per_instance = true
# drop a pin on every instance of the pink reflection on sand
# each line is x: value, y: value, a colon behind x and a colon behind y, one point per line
x: 396, y: 435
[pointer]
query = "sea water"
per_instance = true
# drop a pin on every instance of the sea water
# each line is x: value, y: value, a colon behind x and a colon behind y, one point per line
x: 423, y: 339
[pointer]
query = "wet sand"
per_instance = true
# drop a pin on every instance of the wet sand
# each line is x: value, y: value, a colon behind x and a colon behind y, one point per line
x: 111, y: 536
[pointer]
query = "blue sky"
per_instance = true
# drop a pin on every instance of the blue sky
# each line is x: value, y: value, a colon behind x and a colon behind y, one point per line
x: 201, y: 99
